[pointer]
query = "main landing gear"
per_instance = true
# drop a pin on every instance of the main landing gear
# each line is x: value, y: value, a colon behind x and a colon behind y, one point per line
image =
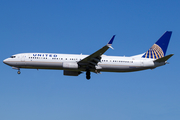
x: 88, y: 74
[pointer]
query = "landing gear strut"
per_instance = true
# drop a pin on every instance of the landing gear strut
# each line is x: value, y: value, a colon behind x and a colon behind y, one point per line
x: 88, y: 74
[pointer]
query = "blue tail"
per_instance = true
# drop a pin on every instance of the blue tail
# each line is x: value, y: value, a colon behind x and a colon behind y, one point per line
x: 158, y: 50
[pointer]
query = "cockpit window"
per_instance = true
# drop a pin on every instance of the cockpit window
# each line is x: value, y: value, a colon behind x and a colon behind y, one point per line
x: 13, y: 56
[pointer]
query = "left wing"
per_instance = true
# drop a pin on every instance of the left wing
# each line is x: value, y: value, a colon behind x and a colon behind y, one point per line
x: 92, y: 60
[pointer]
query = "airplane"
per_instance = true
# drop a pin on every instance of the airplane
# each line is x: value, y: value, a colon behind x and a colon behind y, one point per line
x: 75, y: 64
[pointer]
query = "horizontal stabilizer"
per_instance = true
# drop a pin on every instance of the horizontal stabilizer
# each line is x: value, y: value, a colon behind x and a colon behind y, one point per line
x: 163, y: 59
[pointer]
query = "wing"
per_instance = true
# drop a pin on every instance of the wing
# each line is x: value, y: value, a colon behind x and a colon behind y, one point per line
x: 92, y: 60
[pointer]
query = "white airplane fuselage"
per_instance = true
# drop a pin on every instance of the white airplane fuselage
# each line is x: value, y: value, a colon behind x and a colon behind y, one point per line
x: 74, y: 64
x: 70, y: 62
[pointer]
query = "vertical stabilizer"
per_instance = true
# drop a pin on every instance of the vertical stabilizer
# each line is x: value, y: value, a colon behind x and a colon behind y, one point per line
x: 158, y: 50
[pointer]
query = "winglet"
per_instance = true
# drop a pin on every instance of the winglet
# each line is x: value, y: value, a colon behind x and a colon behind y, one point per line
x: 110, y: 42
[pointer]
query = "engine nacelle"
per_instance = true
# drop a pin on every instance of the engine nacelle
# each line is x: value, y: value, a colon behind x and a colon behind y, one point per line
x: 72, y: 73
x: 70, y: 65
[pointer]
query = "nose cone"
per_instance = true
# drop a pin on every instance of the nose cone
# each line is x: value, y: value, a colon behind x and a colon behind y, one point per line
x: 9, y: 62
x: 5, y: 61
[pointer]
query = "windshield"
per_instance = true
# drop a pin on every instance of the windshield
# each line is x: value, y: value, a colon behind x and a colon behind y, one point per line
x: 13, y: 56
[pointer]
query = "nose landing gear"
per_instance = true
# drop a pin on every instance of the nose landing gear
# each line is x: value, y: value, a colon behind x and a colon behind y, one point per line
x: 16, y: 68
x: 19, y: 72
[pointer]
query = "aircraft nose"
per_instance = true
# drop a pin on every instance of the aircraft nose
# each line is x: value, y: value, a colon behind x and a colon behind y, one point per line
x: 9, y: 62
x: 5, y: 61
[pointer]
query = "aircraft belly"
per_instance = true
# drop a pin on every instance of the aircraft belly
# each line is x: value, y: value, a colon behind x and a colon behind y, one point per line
x: 42, y: 65
x: 120, y: 68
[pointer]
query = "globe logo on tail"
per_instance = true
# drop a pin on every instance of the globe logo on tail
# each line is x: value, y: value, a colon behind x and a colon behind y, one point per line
x: 155, y: 52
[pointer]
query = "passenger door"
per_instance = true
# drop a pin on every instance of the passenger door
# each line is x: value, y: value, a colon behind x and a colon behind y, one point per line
x: 23, y: 58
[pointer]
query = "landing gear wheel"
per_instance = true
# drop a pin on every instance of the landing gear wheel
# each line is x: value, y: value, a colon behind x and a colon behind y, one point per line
x: 19, y: 72
x: 88, y: 75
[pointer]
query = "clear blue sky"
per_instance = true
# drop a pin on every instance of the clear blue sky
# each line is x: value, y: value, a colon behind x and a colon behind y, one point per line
x: 70, y: 26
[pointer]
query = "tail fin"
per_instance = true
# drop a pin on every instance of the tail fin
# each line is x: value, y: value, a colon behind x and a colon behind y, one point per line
x: 158, y: 50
